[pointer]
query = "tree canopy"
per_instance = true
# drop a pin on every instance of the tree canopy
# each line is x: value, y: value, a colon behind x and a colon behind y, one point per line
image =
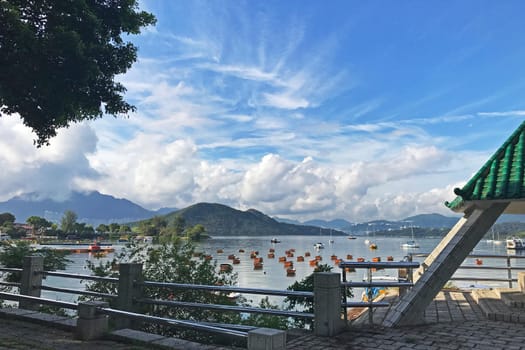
x: 59, y: 58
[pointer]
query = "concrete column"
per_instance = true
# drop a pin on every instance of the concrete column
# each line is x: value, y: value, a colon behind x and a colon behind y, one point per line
x: 440, y: 265
x: 266, y: 339
x: 327, y: 304
x: 90, y: 324
x: 128, y: 291
x: 31, y: 280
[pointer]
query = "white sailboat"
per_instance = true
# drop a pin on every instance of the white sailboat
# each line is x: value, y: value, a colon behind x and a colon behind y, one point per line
x: 331, y: 240
x: 412, y: 243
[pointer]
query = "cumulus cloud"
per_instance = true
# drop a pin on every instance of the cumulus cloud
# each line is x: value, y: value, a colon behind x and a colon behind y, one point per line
x: 49, y: 172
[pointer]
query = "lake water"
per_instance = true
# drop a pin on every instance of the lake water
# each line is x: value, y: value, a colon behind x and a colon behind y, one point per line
x: 273, y: 275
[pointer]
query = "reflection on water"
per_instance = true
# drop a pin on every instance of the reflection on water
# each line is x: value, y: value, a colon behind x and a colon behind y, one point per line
x: 273, y: 274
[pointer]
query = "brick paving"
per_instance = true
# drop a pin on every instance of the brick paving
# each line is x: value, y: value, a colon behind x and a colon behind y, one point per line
x: 21, y: 335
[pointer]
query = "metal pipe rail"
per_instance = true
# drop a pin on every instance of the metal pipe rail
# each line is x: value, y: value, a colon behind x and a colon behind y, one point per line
x: 10, y: 284
x: 241, y: 309
x: 508, y: 267
x: 173, y: 322
x: 284, y: 293
x: 80, y: 277
x: 80, y: 292
x: 37, y: 300
x: 10, y: 269
x: 379, y: 265
x: 377, y: 284
x: 369, y: 265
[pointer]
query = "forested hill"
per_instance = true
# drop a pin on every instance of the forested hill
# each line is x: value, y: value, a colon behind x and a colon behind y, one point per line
x: 221, y: 220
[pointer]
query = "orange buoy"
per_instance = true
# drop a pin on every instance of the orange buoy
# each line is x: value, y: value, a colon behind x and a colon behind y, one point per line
x: 300, y: 258
x: 318, y: 257
x: 282, y: 259
x: 376, y: 259
x: 313, y: 262
x: 288, y: 264
x: 479, y: 262
x: 226, y: 267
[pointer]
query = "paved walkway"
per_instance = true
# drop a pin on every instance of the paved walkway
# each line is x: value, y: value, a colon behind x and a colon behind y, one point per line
x: 21, y: 335
x: 454, y: 321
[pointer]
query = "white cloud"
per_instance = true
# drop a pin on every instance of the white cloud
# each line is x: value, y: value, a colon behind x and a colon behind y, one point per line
x: 285, y: 101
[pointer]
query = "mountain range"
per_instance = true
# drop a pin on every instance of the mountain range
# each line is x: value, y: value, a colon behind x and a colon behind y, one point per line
x: 92, y: 207
x: 95, y: 208
x: 221, y: 220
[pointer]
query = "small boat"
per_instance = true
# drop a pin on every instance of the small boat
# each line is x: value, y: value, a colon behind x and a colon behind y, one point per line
x: 410, y: 245
x: 290, y: 272
x: 318, y: 245
x: 374, y: 293
x: 372, y: 246
x: 515, y: 243
x: 95, y: 247
x: 352, y: 237
x: 275, y: 240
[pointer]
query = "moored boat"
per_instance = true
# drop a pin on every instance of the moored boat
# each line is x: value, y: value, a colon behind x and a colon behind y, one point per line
x: 515, y: 243
x: 318, y: 245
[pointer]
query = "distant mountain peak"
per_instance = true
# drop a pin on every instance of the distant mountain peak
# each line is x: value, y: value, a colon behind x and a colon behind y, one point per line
x: 91, y: 207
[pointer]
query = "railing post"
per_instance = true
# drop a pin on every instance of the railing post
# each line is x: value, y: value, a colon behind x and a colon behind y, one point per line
x: 327, y: 304
x: 509, y: 271
x: 266, y: 339
x: 405, y: 274
x: 128, y: 291
x: 90, y: 324
x: 31, y: 280
x: 521, y: 281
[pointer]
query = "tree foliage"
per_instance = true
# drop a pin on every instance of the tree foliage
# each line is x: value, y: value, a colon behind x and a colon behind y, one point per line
x: 59, y: 58
x: 39, y: 224
x: 12, y: 256
x: 68, y: 221
x: 173, y: 262
x: 7, y: 218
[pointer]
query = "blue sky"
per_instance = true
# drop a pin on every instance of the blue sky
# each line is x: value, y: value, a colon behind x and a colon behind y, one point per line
x: 301, y: 109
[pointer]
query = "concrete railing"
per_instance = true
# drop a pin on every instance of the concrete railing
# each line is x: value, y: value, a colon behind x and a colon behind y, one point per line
x: 93, y: 316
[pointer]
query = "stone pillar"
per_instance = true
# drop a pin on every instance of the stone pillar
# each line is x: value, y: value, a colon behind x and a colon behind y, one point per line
x: 441, y: 264
x: 90, y: 324
x: 128, y: 291
x: 266, y: 339
x: 31, y: 280
x: 327, y: 304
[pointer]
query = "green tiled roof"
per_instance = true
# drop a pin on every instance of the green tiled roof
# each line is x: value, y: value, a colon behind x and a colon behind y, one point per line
x: 500, y: 178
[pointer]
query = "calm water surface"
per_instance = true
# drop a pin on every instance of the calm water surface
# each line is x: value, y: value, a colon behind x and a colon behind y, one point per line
x: 273, y: 275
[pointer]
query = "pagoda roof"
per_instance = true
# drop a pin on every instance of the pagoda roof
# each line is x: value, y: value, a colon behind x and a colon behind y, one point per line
x: 500, y: 179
